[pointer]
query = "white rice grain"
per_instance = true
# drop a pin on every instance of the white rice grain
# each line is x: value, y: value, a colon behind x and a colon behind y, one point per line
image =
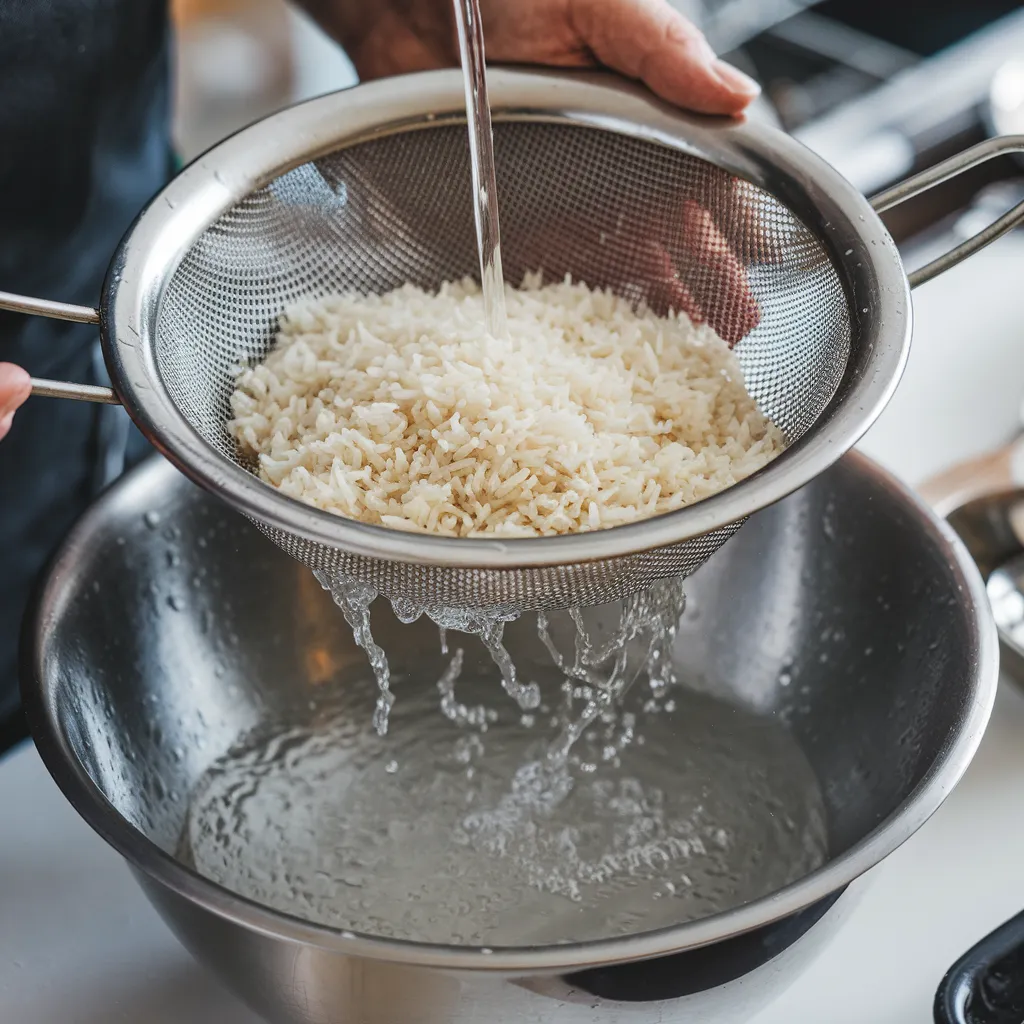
x: 401, y: 410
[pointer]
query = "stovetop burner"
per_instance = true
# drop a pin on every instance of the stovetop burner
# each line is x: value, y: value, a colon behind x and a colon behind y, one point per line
x: 986, y: 986
x: 877, y: 88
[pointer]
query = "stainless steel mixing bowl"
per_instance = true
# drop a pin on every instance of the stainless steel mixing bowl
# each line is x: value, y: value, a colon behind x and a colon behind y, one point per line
x: 167, y: 626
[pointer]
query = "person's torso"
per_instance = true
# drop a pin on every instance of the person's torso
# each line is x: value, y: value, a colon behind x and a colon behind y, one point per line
x: 83, y: 142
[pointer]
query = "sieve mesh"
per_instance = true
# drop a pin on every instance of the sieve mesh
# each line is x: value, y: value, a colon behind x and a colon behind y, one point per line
x: 574, y: 199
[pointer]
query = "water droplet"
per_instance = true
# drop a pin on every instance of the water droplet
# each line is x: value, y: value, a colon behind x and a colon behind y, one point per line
x: 152, y: 519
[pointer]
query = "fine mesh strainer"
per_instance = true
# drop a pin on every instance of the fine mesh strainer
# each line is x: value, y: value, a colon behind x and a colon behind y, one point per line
x: 370, y: 188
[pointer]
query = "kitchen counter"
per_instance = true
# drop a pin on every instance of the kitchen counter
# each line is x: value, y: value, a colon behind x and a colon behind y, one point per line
x: 80, y: 945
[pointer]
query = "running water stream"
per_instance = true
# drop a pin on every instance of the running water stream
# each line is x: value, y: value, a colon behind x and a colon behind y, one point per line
x: 481, y: 151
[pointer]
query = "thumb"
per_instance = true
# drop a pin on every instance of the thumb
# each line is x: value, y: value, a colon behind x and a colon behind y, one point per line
x: 652, y: 41
x: 15, y: 387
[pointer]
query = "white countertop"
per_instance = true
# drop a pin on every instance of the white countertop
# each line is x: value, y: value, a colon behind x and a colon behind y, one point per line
x: 79, y: 944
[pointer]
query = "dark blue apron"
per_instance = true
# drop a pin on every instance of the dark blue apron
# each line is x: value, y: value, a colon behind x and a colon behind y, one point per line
x: 84, y: 143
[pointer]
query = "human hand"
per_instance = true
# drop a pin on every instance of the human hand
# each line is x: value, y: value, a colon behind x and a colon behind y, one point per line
x: 15, y: 386
x: 644, y: 39
x: 674, y: 259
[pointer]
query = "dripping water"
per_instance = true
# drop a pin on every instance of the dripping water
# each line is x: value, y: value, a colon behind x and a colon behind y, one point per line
x: 594, y: 679
x: 355, y: 598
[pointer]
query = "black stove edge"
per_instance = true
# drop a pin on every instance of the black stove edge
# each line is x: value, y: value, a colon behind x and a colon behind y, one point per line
x: 696, y: 970
x: 13, y: 731
x: 986, y: 985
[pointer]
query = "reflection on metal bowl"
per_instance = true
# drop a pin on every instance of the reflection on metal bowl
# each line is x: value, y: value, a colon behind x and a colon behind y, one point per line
x: 846, y: 617
x: 983, y: 500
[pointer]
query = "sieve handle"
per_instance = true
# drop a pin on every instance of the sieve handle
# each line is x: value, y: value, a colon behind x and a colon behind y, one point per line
x: 943, y: 172
x: 74, y: 314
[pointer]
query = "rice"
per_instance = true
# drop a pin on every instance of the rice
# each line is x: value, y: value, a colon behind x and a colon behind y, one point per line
x: 400, y: 410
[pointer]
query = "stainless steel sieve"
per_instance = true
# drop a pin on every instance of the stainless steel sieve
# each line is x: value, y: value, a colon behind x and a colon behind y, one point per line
x: 369, y: 188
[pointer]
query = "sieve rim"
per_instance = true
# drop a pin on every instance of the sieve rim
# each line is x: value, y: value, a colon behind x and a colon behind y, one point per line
x: 878, y: 296
x: 153, y: 866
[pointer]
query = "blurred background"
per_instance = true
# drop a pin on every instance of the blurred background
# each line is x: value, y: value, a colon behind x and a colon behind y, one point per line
x: 238, y: 60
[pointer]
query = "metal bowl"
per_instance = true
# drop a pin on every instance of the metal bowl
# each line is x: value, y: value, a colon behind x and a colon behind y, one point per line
x: 167, y: 626
x: 983, y: 501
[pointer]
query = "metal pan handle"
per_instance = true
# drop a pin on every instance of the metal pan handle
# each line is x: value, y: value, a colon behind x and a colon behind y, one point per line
x: 996, y: 472
x: 943, y: 172
x: 60, y: 311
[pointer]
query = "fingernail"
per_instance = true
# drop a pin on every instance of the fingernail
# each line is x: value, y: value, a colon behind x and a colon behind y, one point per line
x: 735, y: 79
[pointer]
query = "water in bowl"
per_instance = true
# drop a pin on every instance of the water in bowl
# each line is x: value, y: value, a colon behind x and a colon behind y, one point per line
x: 464, y: 830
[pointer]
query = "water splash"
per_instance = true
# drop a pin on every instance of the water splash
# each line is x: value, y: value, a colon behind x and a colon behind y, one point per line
x: 441, y: 834
x: 637, y: 807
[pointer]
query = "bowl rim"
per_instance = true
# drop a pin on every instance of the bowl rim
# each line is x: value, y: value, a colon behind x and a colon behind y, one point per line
x: 145, y: 857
